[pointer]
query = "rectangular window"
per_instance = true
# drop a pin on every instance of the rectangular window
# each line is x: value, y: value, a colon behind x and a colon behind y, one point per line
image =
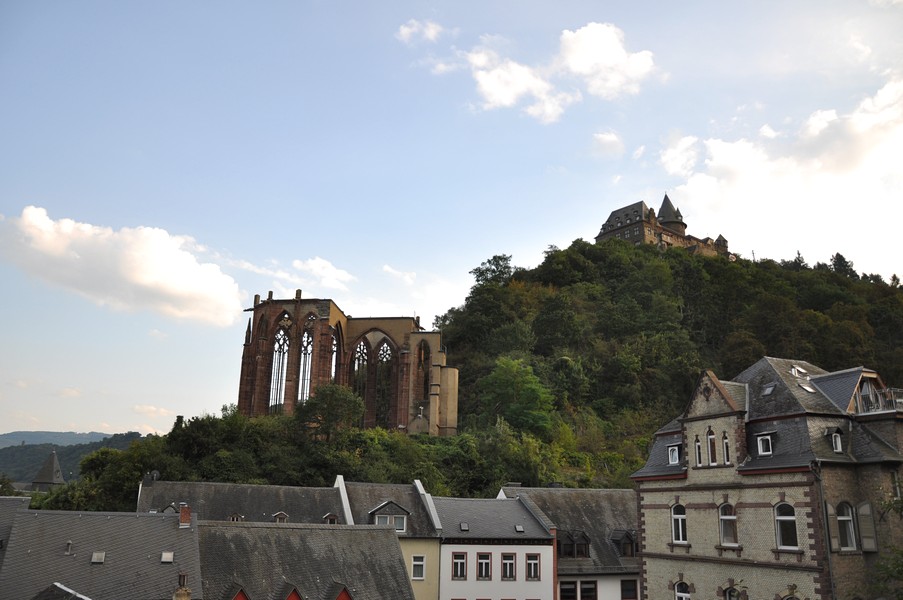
x: 673, y: 455
x: 629, y: 589
x: 588, y: 590
x: 698, y: 452
x: 727, y: 448
x: 568, y: 590
x: 484, y: 566
x: 764, y: 445
x: 459, y: 565
x: 895, y: 483
x: 508, y: 571
x: 418, y: 566
x: 532, y: 567
x: 396, y: 521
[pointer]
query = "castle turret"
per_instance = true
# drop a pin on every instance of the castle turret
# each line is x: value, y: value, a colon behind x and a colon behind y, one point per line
x: 671, y: 218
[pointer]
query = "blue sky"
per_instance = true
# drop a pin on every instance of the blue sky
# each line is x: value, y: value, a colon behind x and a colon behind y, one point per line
x: 161, y: 163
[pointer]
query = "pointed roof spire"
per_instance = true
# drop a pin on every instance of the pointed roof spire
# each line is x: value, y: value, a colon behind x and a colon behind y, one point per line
x: 50, y: 474
x: 667, y: 213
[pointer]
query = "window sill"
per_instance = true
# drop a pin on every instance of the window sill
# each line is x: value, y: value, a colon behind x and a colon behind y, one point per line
x: 849, y: 552
x: 791, y: 551
x: 685, y: 545
x: 736, y: 548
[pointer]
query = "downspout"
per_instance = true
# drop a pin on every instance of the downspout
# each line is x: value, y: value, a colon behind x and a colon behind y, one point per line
x: 827, y: 530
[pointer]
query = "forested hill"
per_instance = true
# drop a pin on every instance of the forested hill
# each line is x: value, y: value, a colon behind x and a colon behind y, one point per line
x: 616, y: 326
x: 566, y: 371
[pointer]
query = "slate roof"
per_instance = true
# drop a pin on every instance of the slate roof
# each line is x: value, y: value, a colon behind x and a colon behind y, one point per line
x: 365, y: 497
x: 132, y: 567
x: 49, y: 475
x: 265, y: 558
x: 8, y: 507
x: 667, y: 213
x: 258, y: 503
x: 488, y: 519
x: 635, y: 212
x: 657, y: 464
x: 840, y: 386
x: 57, y: 591
x: 788, y: 396
x: 600, y: 514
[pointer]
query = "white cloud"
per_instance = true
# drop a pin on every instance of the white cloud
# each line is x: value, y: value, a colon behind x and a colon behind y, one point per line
x: 818, y: 121
x: 639, y: 152
x: 157, y: 334
x: 70, y: 393
x: 593, y: 57
x: 767, y: 132
x: 608, y: 144
x: 596, y: 53
x: 324, y: 273
x: 151, y: 411
x: 680, y: 157
x: 142, y: 268
x: 822, y: 193
x: 414, y: 31
x: 407, y: 277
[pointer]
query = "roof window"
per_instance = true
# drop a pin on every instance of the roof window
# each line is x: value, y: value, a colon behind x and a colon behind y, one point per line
x: 465, y: 526
x: 98, y: 557
x: 167, y: 557
x: 519, y: 528
x: 807, y: 387
x: 768, y: 389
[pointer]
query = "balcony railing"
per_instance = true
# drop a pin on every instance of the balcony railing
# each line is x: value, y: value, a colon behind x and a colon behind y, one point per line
x: 882, y: 400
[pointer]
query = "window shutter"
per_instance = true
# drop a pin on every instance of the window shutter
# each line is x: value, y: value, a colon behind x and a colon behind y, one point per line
x: 867, y: 533
x: 833, y: 529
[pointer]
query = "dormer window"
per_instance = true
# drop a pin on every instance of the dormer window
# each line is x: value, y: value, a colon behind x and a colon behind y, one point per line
x: 836, y: 443
x: 330, y: 519
x: 764, y: 442
x: 674, y: 455
x: 280, y: 517
x: 399, y: 522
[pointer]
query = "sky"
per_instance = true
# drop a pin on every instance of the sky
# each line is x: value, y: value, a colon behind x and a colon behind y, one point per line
x: 163, y: 162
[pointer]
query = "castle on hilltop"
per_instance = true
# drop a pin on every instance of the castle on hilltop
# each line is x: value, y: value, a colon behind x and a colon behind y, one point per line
x: 398, y: 369
x: 639, y: 224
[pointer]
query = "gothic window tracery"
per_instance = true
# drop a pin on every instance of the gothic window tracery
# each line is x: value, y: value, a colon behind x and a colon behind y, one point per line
x: 385, y: 363
x: 307, y: 348
x: 278, y: 373
x: 359, y: 365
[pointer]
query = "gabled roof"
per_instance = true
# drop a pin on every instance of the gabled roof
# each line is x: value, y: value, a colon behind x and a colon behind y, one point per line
x: 602, y: 515
x: 789, y: 395
x: 481, y: 518
x: 318, y: 560
x: 840, y: 386
x: 133, y: 544
x: 367, y: 498
x: 220, y: 501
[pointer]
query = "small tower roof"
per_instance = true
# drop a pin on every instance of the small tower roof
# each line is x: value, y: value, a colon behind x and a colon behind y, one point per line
x: 667, y: 213
x: 50, y: 473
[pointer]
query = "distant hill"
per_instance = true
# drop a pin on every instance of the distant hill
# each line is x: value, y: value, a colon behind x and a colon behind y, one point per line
x: 57, y: 438
x: 21, y: 463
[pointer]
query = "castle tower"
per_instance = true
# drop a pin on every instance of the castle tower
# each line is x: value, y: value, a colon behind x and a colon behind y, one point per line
x: 671, y: 218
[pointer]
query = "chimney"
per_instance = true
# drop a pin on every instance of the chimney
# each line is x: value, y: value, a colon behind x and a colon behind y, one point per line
x: 182, y: 592
x: 297, y: 294
x: 270, y: 295
x: 184, y: 515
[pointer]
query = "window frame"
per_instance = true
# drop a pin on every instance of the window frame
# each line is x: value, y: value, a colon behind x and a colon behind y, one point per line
x: 509, y: 566
x: 727, y: 522
x: 762, y: 441
x: 679, y: 525
x: 837, y: 443
x: 780, y: 519
x: 681, y: 591
x: 726, y: 447
x: 532, y: 567
x: 418, y: 561
x: 459, y: 566
x: 698, y: 447
x: 712, y: 448
x: 846, y: 526
x: 674, y: 454
x: 484, y: 559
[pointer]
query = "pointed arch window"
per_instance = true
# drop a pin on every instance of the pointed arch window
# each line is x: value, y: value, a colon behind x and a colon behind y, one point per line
x: 713, y: 457
x: 334, y: 370
x: 385, y: 367
x: 698, y: 445
x: 726, y: 445
x: 307, y: 350
x: 280, y: 364
x: 359, y: 366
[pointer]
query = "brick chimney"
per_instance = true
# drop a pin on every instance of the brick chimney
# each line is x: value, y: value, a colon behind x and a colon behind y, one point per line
x: 182, y: 592
x: 184, y: 515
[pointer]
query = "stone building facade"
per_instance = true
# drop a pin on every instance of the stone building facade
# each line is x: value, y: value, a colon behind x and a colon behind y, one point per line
x: 639, y: 224
x: 399, y: 370
x: 774, y: 485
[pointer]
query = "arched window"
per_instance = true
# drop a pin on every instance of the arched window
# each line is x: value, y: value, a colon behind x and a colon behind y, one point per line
x: 681, y: 591
x: 359, y: 366
x: 698, y: 452
x: 713, y: 457
x: 732, y: 594
x: 679, y: 524
x: 277, y: 377
x: 307, y: 350
x: 726, y: 444
x: 334, y: 369
x: 727, y: 518
x: 845, y: 526
x: 785, y: 526
x: 385, y: 368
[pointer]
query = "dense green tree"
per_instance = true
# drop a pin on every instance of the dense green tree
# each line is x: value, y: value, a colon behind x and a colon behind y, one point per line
x: 514, y: 393
x: 330, y: 408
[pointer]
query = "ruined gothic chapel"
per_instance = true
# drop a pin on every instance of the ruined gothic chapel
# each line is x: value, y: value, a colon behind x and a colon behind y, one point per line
x: 293, y: 345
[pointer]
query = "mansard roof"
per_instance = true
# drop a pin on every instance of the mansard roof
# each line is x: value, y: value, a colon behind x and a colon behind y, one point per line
x: 221, y: 501
x: 366, y: 499
x: 790, y: 394
x: 635, y: 212
x: 100, y: 555
x: 480, y: 518
x: 658, y: 465
x: 601, y: 514
x: 316, y: 560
